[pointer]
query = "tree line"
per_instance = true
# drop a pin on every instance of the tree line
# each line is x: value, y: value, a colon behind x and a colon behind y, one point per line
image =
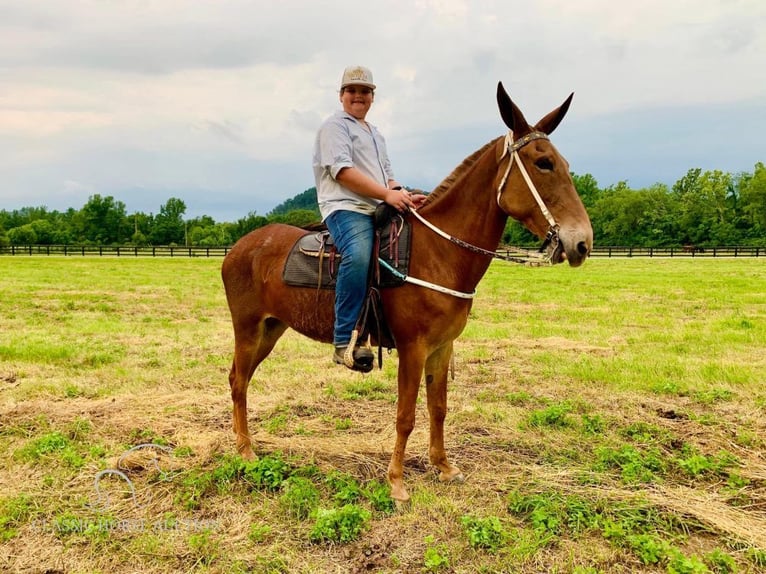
x: 701, y: 209
x: 105, y: 221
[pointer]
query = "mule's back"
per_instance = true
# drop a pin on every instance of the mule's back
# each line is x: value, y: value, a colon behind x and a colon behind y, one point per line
x: 255, y: 291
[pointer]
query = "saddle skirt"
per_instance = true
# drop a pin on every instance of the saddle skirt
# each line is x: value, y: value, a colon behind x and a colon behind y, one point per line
x: 313, y: 260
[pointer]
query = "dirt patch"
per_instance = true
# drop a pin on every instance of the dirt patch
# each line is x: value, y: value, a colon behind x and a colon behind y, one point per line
x: 368, y: 557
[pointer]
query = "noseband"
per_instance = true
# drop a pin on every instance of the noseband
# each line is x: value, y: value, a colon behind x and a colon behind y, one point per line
x: 512, y: 148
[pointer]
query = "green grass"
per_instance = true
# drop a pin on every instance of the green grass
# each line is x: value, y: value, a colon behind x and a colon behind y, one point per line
x: 607, y: 419
x: 485, y: 533
x: 646, y: 323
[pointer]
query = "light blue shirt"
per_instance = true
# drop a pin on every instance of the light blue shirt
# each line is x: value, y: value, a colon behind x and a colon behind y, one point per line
x: 341, y: 142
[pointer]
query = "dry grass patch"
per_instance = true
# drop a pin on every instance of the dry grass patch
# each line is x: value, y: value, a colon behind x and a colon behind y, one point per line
x: 611, y: 422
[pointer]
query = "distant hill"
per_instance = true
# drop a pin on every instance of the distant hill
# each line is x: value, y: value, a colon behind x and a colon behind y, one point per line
x: 306, y: 200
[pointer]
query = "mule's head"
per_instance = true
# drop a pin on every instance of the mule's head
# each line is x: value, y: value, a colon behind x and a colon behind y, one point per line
x: 535, y: 187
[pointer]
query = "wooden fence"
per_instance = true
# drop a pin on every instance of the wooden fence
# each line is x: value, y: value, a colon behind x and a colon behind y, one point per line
x: 502, y: 253
x: 622, y: 251
x: 115, y: 251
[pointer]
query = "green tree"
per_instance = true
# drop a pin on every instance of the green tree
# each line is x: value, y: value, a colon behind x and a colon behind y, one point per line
x: 45, y: 231
x: 211, y: 235
x: 646, y: 217
x: 517, y: 235
x: 206, y: 232
x: 587, y: 188
x: 66, y: 227
x: 306, y: 200
x: 247, y: 224
x: 168, y: 227
x: 22, y: 235
x: 703, y: 212
x: 297, y: 217
x: 141, y: 225
x: 752, y: 201
x: 102, y: 221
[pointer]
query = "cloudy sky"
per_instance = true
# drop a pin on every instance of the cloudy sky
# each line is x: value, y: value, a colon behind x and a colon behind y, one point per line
x: 217, y: 102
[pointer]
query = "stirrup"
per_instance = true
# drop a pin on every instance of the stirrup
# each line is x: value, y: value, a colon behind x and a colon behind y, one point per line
x: 355, y: 358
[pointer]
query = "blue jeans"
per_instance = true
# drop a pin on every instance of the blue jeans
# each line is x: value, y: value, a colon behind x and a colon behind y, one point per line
x: 353, y: 234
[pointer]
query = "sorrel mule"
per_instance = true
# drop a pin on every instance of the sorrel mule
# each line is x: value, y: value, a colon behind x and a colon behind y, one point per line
x: 520, y: 175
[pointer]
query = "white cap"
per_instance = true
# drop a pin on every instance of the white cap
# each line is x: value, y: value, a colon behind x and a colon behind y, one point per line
x: 357, y: 76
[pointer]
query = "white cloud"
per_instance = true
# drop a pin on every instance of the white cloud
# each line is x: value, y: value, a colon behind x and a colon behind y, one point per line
x: 185, y: 96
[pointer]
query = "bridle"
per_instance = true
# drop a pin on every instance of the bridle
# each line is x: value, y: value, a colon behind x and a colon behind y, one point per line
x: 512, y: 148
x: 541, y: 257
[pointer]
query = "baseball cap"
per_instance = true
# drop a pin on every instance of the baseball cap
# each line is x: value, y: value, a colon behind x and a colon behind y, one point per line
x: 357, y: 76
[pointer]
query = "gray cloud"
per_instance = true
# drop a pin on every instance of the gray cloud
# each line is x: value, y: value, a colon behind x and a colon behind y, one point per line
x: 218, y: 102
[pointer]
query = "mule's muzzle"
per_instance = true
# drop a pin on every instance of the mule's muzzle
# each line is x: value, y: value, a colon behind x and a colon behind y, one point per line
x: 574, y: 247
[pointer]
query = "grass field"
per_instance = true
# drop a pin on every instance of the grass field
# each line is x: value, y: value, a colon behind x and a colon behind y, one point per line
x: 608, y: 419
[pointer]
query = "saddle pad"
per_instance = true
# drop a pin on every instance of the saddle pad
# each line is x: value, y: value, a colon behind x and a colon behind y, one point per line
x: 302, y: 265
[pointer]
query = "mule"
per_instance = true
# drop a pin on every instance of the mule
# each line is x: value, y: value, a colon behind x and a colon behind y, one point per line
x: 520, y: 175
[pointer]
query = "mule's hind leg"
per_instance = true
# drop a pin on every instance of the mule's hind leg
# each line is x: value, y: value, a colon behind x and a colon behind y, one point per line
x: 252, y: 344
x: 436, y: 371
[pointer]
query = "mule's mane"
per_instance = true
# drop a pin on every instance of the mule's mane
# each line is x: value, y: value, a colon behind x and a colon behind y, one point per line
x: 465, y: 165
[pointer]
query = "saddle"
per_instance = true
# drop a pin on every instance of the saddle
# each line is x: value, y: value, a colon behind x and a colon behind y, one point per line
x: 313, y: 262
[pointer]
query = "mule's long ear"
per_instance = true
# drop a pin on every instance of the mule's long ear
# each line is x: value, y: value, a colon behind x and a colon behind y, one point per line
x: 553, y: 119
x: 511, y: 114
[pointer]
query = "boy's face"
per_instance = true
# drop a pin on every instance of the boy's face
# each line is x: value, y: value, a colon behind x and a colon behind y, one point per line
x: 357, y: 100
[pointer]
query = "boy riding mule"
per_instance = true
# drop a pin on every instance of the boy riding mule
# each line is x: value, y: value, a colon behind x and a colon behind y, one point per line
x: 453, y: 238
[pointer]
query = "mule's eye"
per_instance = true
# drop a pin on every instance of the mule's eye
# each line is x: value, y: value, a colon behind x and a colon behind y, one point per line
x: 544, y: 164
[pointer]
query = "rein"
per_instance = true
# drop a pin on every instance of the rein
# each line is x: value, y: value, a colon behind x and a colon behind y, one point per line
x: 526, y: 257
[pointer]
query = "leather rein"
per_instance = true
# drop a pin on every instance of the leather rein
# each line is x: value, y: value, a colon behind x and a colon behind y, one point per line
x: 541, y: 257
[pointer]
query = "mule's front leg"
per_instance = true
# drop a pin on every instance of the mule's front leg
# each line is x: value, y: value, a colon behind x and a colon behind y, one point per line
x: 410, y: 370
x: 437, y: 369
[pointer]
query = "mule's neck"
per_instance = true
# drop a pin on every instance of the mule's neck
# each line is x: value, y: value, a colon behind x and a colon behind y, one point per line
x: 465, y: 206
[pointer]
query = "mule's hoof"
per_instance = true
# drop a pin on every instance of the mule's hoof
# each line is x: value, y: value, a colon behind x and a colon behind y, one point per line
x: 457, y: 478
x: 402, y: 506
x: 246, y: 452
